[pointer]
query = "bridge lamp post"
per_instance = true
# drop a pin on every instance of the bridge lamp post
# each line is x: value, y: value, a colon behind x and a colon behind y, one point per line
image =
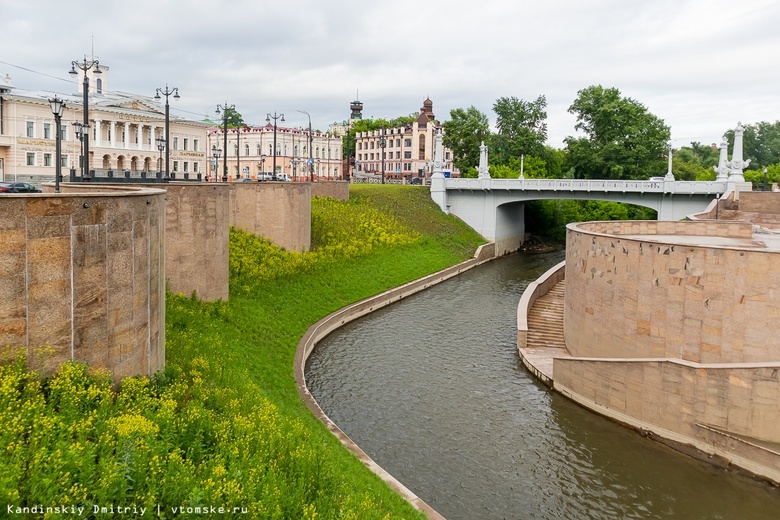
x: 166, y: 92
x: 225, y: 109
x: 58, y: 108
x: 85, y: 66
x: 160, y: 146
x: 275, y: 117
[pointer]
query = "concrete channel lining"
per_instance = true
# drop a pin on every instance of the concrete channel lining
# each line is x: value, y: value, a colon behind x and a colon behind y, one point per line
x: 339, y: 318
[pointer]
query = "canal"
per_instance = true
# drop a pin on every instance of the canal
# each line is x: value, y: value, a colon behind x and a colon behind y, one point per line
x: 433, y: 390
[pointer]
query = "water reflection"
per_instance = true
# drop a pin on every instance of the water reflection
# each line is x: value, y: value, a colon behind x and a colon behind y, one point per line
x: 433, y: 390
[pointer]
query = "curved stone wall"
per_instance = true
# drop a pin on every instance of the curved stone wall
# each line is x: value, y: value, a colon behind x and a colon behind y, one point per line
x: 84, y: 274
x: 640, y: 290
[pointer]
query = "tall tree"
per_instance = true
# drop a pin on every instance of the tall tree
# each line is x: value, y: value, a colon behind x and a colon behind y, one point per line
x: 623, y: 140
x: 522, y: 129
x: 463, y: 134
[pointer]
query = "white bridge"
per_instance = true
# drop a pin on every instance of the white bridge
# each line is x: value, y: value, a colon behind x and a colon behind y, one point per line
x: 495, y: 207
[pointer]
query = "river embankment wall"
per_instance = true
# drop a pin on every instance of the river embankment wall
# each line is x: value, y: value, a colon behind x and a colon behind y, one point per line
x: 83, y: 275
x: 337, y: 319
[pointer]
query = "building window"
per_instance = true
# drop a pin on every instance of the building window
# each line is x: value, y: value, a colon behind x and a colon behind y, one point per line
x: 390, y: 143
x: 421, y: 153
x: 186, y: 145
x: 372, y: 145
x: 47, y: 159
x: 99, y: 84
x: 270, y: 149
x: 408, y: 154
x: 195, y: 167
x: 64, y: 160
x: 175, y: 166
x: 259, y: 150
x: 195, y: 146
x: 407, y: 167
x: 407, y: 142
x: 175, y: 143
x: 446, y: 156
x: 398, y: 143
x: 235, y: 149
x: 186, y: 166
x: 135, y: 136
x: 30, y: 129
x: 397, y: 155
x: 30, y: 158
x: 47, y: 130
x: 63, y: 132
x: 246, y: 149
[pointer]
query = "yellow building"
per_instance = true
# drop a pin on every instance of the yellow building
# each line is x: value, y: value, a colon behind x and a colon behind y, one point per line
x: 122, y: 134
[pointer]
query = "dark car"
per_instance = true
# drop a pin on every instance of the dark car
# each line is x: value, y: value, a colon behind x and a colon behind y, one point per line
x: 18, y: 187
x: 416, y: 180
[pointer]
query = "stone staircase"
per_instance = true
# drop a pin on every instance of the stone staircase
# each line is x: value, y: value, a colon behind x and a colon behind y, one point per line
x: 545, y: 334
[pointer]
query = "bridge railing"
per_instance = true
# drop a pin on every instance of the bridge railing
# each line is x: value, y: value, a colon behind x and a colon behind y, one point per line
x: 603, y: 185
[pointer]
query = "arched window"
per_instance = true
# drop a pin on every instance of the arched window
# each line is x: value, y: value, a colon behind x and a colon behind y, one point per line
x: 99, y: 83
x: 246, y: 149
x: 259, y: 150
x: 270, y: 149
x: 421, y: 155
x: 235, y: 149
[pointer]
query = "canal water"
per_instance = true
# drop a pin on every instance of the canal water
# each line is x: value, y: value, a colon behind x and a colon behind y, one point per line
x: 433, y: 390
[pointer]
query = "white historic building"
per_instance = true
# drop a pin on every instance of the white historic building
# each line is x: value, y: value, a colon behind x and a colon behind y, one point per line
x: 408, y: 151
x: 298, y: 154
x: 122, y: 133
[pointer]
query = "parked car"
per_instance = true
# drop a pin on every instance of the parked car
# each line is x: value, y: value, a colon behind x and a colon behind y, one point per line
x: 18, y: 187
x: 416, y: 180
x: 245, y: 179
x: 266, y: 176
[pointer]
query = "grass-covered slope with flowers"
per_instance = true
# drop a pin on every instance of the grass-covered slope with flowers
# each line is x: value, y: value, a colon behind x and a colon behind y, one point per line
x: 223, y: 426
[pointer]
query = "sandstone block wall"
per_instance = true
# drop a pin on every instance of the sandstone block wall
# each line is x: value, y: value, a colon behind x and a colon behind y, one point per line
x: 634, y: 298
x: 197, y: 239
x: 85, y: 274
x: 278, y: 211
x: 677, y: 396
x: 197, y: 233
x: 336, y: 189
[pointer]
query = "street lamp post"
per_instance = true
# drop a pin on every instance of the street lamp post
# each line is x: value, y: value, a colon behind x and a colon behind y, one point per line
x: 85, y: 66
x: 57, y: 108
x: 160, y: 146
x: 382, y: 144
x: 225, y: 109
x: 262, y: 164
x: 166, y: 93
x: 216, y: 152
x: 81, y: 132
x: 268, y: 118
x: 311, y: 162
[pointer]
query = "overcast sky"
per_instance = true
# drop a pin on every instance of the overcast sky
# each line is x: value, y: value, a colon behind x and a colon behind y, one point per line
x: 700, y: 65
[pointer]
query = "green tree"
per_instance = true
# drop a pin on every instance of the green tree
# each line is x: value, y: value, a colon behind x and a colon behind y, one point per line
x: 522, y: 129
x: 463, y: 134
x: 623, y: 140
x: 760, y: 144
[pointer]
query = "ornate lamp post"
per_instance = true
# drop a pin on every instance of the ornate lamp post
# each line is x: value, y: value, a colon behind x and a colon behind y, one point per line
x: 268, y: 118
x: 262, y: 164
x: 382, y: 144
x: 160, y: 146
x: 85, y: 66
x: 166, y: 93
x: 81, y: 131
x: 311, y: 162
x: 225, y: 109
x: 57, y: 108
x: 217, y: 153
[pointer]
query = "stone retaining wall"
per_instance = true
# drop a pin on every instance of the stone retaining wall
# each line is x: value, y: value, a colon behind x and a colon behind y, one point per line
x: 336, y: 189
x: 638, y: 298
x: 278, y: 211
x: 85, y: 274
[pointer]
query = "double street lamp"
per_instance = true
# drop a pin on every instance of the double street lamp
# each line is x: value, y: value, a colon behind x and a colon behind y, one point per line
x: 225, y: 109
x: 166, y: 92
x: 268, y: 118
x: 85, y: 66
x: 57, y: 108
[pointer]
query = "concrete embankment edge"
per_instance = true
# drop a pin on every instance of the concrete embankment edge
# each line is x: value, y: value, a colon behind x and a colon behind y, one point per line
x: 337, y: 319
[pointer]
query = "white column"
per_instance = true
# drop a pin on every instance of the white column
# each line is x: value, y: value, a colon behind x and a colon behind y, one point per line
x: 98, y: 128
x: 112, y: 127
x: 127, y: 136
